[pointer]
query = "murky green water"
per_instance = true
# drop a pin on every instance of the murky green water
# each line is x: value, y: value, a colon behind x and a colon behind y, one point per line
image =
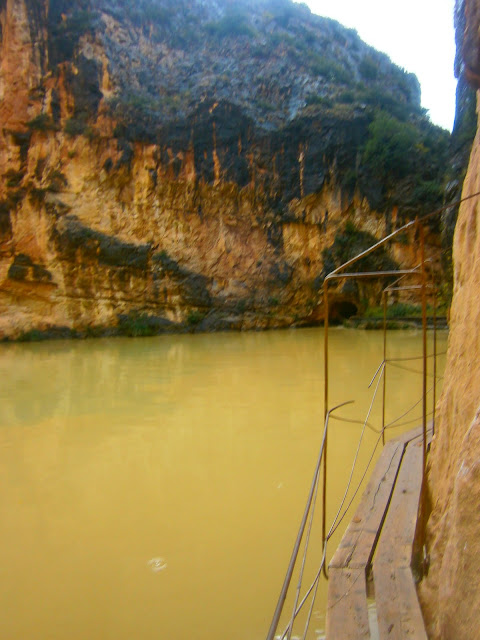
x: 152, y: 488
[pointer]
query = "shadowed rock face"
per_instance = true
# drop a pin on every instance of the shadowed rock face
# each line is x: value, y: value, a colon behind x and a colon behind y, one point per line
x: 238, y: 141
x: 470, y: 50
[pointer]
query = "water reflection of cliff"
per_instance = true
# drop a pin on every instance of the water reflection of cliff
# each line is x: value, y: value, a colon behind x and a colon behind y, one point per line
x: 140, y: 381
x: 41, y: 381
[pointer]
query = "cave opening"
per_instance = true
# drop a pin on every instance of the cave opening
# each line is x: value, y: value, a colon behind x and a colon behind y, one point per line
x: 342, y: 310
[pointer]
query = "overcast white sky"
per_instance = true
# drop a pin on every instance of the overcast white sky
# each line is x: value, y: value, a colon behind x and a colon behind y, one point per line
x: 417, y: 35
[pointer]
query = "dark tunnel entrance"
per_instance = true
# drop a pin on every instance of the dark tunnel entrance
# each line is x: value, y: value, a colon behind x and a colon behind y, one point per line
x: 342, y: 310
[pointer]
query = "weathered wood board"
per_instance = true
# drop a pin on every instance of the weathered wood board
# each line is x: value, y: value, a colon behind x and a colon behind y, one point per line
x: 382, y: 530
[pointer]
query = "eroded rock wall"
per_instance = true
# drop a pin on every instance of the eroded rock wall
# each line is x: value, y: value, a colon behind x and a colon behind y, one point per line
x: 206, y: 214
x: 84, y: 244
x: 450, y: 593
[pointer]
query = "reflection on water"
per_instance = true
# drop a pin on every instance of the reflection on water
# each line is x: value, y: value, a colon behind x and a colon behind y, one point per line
x: 152, y: 488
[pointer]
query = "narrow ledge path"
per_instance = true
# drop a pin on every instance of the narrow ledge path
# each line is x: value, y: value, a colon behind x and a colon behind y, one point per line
x: 375, y: 557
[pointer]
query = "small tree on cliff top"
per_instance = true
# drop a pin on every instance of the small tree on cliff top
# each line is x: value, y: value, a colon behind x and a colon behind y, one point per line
x: 391, y: 151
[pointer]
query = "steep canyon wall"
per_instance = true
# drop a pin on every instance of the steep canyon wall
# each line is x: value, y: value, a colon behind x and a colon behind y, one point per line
x: 450, y: 594
x: 208, y: 214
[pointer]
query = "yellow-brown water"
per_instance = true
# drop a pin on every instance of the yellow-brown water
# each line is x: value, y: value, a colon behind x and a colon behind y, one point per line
x: 152, y: 488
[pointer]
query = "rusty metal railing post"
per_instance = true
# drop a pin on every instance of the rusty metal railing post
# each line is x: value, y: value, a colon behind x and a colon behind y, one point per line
x: 325, y: 413
x: 424, y: 341
x: 384, y: 298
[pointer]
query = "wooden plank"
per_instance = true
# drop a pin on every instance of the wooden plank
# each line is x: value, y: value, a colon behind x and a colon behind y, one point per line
x: 396, y: 541
x: 398, y: 611
x: 413, y: 625
x: 347, y: 611
x: 409, y: 435
x: 388, y: 508
x: 358, y: 543
x: 347, y: 614
x: 413, y: 434
x: 387, y: 602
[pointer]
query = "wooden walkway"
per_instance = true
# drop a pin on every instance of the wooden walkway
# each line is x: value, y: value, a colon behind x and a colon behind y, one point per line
x: 378, y: 544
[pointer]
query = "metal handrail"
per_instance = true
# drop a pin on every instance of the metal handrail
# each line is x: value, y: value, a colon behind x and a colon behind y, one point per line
x: 339, y: 273
x: 301, y: 531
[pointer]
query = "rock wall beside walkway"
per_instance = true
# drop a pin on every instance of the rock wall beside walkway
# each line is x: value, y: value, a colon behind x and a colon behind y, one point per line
x: 450, y: 593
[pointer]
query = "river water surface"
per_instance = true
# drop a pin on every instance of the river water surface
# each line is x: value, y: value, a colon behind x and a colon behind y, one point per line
x: 151, y: 488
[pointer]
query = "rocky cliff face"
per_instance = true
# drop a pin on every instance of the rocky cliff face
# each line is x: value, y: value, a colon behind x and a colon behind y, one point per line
x: 450, y: 594
x: 463, y: 133
x: 197, y: 164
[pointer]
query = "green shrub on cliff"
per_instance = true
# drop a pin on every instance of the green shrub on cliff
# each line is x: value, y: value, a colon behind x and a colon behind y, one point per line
x: 369, y: 68
x: 141, y: 12
x: 316, y: 100
x: 328, y: 68
x: 42, y: 122
x: 195, y: 317
x: 233, y: 24
x: 282, y: 12
x: 391, y: 148
x: 403, y: 164
x: 351, y: 242
x: 136, y: 325
x: 74, y: 127
x: 67, y: 26
x: 396, y: 310
x: 139, y: 324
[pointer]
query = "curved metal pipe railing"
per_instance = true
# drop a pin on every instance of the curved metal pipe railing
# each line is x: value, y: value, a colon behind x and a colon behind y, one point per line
x: 418, y: 272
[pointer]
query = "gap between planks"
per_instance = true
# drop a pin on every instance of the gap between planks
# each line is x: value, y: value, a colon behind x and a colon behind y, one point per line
x: 381, y: 510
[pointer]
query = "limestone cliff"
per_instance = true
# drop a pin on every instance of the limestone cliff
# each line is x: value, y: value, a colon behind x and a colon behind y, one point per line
x: 197, y: 164
x: 450, y: 593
